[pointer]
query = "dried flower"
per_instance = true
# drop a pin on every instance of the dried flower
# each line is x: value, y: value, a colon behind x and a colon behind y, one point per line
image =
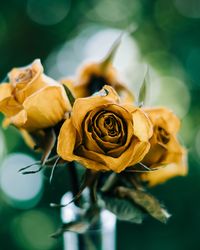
x: 104, y: 134
x: 32, y: 100
x: 93, y: 76
x: 165, y: 152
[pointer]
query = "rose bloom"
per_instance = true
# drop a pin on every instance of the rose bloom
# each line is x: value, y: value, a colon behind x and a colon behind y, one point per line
x: 93, y: 76
x: 165, y: 152
x: 31, y: 100
x: 103, y: 134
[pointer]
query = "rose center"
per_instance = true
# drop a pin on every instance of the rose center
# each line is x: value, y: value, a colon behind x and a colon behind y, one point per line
x: 96, y: 83
x: 162, y: 135
x: 25, y: 76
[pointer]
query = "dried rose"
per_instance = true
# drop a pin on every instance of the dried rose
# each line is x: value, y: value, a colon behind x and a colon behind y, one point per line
x: 31, y: 100
x: 104, y: 134
x: 165, y: 152
x: 92, y: 77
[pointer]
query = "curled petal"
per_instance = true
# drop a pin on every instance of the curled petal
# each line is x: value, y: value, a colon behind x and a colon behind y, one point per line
x: 66, y: 141
x: 20, y: 119
x: 27, y: 80
x: 164, y: 173
x: 5, y: 91
x: 131, y: 156
x: 8, y: 105
x: 161, y: 116
x: 45, y: 108
x: 143, y: 128
x: 84, y: 105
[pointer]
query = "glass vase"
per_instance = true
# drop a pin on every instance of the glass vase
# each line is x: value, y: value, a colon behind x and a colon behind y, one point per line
x: 101, y: 236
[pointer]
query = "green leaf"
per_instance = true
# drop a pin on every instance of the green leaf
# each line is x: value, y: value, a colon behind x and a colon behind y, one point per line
x: 110, y: 182
x: 69, y: 95
x: 86, y: 221
x: 143, y: 93
x: 124, y: 209
x: 148, y: 202
x: 109, y: 57
x: 75, y: 226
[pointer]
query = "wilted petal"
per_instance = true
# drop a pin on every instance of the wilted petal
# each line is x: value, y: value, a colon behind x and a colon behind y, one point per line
x: 165, y: 117
x: 84, y: 105
x: 46, y: 107
x: 8, y: 105
x: 142, y: 126
x: 164, y: 173
x: 66, y: 141
x: 27, y: 80
x: 20, y: 119
x: 133, y: 155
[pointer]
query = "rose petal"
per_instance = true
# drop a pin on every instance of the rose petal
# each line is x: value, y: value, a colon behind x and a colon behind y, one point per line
x: 66, y: 141
x: 109, y: 74
x: 8, y: 105
x: 165, y: 173
x: 23, y: 90
x: 90, y: 159
x: 46, y: 107
x: 19, y: 119
x: 143, y: 128
x: 155, y: 155
x: 161, y: 116
x: 84, y: 105
x: 134, y: 154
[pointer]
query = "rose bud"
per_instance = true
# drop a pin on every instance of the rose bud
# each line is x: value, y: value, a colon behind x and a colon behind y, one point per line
x: 104, y: 134
x: 165, y: 152
x: 31, y: 100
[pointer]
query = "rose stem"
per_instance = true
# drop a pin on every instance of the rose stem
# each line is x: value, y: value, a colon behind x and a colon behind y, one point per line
x: 74, y: 183
x: 77, y: 202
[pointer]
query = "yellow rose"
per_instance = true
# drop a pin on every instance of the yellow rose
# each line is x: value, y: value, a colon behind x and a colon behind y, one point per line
x: 165, y: 152
x: 31, y: 100
x: 103, y: 134
x: 92, y: 77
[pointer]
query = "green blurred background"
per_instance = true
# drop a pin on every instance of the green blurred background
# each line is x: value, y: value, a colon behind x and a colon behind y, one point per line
x: 65, y: 33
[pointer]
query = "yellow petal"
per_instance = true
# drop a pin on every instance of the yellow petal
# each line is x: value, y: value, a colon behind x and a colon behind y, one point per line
x: 83, y: 105
x: 175, y: 165
x: 161, y: 116
x: 66, y: 145
x: 46, y: 107
x: 143, y: 128
x: 66, y: 141
x: 5, y: 91
x: 132, y: 155
x: 26, y: 88
x: 8, y: 105
x: 20, y: 119
x: 164, y: 173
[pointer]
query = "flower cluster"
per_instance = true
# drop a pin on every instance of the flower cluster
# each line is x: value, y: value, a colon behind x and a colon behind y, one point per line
x: 94, y: 120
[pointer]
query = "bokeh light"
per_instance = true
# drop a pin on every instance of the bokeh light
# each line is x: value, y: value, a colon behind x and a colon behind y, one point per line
x: 165, y: 91
x: 21, y: 191
x: 93, y: 44
x: 48, y: 12
x: 65, y: 34
x: 113, y: 11
x: 193, y: 62
x: 188, y: 8
x: 2, y: 145
x: 32, y: 229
